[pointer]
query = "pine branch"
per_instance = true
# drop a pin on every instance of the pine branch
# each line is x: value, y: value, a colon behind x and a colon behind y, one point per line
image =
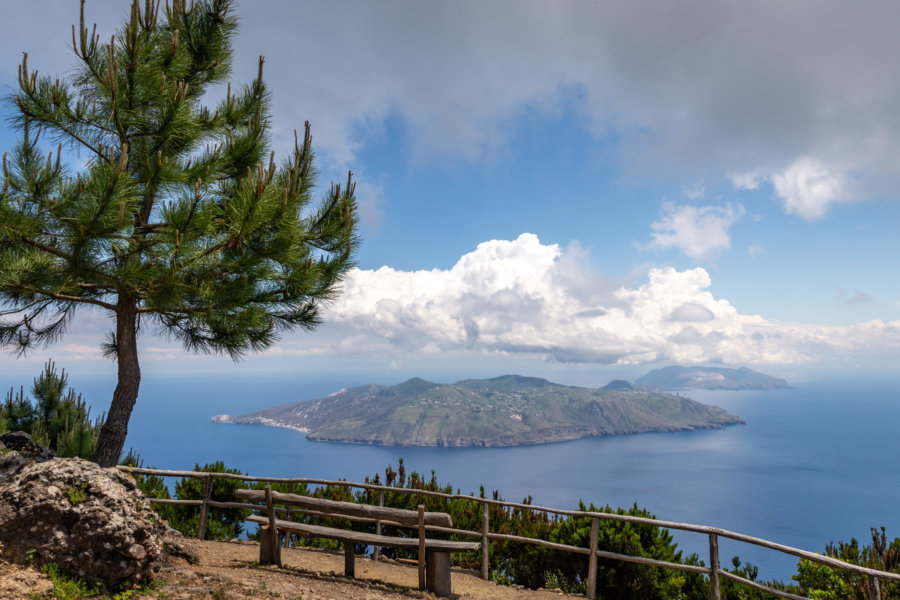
x: 63, y: 297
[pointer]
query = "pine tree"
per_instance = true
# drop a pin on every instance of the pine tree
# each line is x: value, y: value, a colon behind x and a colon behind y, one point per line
x: 48, y: 391
x: 180, y: 217
x: 58, y: 418
x: 18, y: 414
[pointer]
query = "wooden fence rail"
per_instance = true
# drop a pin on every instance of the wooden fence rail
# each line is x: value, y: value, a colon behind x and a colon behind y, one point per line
x: 714, y: 571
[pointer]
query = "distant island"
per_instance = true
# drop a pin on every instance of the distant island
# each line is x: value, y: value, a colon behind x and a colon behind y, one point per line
x: 504, y: 411
x: 709, y: 378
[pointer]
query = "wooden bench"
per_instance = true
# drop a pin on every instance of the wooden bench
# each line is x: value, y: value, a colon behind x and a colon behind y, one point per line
x: 433, y: 555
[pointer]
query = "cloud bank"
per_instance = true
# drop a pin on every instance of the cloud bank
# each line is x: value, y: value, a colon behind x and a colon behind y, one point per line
x: 522, y: 297
x: 797, y: 96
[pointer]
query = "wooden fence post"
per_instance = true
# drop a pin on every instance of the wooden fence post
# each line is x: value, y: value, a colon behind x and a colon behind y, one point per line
x: 204, y: 509
x: 273, y: 531
x: 592, y: 565
x: 874, y: 585
x: 421, y: 546
x: 485, y: 546
x: 286, y: 535
x: 377, y: 554
x: 714, y: 592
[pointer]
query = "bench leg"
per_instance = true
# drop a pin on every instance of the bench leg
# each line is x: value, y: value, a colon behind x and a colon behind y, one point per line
x: 437, y: 571
x: 269, y: 552
x: 349, y: 559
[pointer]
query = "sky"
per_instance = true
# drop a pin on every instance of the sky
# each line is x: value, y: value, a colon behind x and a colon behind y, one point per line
x: 571, y: 188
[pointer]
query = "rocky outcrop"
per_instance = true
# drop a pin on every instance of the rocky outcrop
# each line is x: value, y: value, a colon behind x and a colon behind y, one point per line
x: 10, y: 463
x: 92, y: 522
x: 22, y: 443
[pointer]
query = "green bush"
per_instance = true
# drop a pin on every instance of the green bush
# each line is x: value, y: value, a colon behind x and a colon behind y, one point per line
x: 821, y: 582
x: 223, y: 523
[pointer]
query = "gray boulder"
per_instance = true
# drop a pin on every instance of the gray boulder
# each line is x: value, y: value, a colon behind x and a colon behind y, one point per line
x: 92, y: 522
x: 22, y: 443
x: 10, y: 462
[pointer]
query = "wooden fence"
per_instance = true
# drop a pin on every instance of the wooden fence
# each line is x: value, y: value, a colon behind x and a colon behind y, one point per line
x: 715, y: 573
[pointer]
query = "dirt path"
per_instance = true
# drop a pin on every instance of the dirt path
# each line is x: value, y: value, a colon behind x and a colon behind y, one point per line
x: 318, y: 574
x: 228, y: 571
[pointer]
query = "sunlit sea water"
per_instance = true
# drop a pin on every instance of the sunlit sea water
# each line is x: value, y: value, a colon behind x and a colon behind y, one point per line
x: 813, y: 464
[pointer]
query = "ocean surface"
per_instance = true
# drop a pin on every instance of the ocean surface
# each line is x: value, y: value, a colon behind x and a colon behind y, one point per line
x: 813, y: 464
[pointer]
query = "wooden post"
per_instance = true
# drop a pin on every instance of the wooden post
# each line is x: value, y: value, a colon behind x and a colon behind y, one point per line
x: 438, y: 573
x: 270, y: 510
x: 204, y: 509
x: 286, y: 536
x: 421, y: 546
x: 874, y: 585
x: 485, y: 546
x: 714, y: 592
x: 265, y: 546
x: 592, y: 564
x: 349, y: 559
x: 377, y: 554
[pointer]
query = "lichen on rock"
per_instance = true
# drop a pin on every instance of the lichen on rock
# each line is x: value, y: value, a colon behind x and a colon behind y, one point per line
x: 94, y: 523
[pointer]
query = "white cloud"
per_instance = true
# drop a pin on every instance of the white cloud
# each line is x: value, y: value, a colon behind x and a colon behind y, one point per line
x: 698, y: 231
x: 808, y: 188
x: 697, y: 191
x: 508, y: 297
x: 522, y: 298
x: 78, y: 352
x: 746, y: 181
x: 692, y: 311
x: 165, y: 354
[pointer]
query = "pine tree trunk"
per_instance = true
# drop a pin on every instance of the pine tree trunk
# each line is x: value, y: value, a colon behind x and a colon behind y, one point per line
x: 112, y: 435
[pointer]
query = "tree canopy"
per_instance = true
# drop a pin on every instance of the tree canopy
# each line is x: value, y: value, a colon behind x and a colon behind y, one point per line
x: 179, y: 218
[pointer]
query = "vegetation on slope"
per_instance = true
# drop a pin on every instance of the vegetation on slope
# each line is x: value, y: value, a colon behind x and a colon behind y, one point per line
x: 503, y: 411
x: 536, y: 567
x: 56, y: 416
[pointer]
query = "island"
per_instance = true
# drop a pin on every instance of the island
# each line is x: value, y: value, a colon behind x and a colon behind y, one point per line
x: 709, y: 378
x: 504, y: 411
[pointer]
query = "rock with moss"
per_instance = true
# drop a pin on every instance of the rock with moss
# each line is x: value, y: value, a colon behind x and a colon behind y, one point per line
x: 94, y: 523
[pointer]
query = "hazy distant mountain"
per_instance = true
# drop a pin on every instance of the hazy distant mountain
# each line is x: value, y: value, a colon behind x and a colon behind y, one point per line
x: 710, y: 378
x: 621, y: 385
x: 504, y: 411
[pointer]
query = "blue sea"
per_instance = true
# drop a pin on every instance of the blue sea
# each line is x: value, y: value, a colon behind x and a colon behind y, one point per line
x: 813, y: 464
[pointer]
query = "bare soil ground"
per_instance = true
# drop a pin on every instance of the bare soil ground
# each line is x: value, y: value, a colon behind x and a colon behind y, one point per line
x: 228, y: 571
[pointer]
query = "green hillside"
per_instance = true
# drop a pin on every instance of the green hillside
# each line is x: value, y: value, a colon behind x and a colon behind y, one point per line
x: 504, y: 411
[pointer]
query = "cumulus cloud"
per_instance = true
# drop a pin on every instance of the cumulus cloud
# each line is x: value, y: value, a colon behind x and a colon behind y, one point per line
x: 507, y: 297
x: 807, y: 188
x: 692, y: 311
x: 698, y: 231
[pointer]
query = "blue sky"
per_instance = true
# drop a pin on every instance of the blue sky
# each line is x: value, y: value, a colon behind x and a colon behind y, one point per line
x: 569, y: 187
